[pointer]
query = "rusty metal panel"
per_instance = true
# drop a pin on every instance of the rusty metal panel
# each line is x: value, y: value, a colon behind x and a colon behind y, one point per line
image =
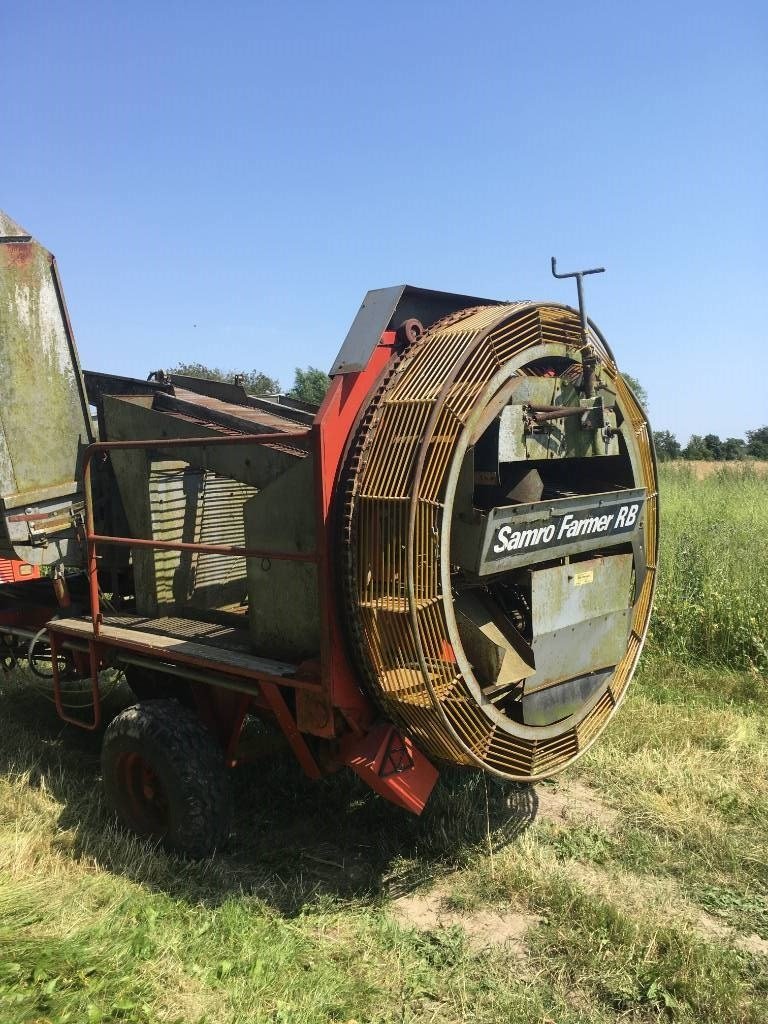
x: 44, y: 418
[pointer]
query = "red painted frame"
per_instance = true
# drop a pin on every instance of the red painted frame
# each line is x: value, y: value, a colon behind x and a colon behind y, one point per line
x: 327, y: 441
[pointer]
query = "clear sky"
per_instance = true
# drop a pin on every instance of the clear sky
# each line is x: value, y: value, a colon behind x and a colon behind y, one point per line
x: 223, y: 182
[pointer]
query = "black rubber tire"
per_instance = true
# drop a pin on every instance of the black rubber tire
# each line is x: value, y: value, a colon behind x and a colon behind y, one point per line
x: 189, y: 809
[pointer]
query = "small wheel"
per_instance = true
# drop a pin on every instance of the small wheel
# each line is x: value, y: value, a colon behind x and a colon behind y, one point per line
x: 165, y: 777
x: 40, y: 658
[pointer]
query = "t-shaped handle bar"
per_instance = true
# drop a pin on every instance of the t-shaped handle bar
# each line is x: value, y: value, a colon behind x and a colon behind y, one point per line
x: 579, y: 275
x: 575, y: 273
x: 589, y: 359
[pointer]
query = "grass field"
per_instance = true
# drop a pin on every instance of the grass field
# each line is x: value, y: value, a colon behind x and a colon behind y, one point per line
x: 633, y: 889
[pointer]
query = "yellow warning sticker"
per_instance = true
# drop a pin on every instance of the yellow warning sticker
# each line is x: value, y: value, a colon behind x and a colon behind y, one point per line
x: 580, y: 578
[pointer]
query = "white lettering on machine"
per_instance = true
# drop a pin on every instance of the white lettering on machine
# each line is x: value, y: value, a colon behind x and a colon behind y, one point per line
x: 571, y: 526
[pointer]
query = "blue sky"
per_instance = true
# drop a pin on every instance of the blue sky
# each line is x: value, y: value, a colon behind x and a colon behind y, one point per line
x: 223, y: 183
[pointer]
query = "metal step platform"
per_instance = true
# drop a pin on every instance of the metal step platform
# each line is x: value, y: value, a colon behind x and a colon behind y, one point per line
x: 207, y: 645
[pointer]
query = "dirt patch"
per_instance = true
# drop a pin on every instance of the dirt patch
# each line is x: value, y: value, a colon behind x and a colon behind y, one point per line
x: 573, y: 801
x: 427, y: 911
x: 711, y: 927
x: 639, y: 893
x: 752, y: 944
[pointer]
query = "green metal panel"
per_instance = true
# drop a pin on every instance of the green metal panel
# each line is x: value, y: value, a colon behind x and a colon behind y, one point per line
x: 558, y: 439
x: 44, y: 419
x: 563, y: 595
x: 561, y: 438
x: 586, y: 646
x: 283, y: 596
x: 167, y: 579
x: 581, y: 617
x: 190, y: 505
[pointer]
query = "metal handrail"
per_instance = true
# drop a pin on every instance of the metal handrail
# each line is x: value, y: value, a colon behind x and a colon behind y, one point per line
x: 92, y: 538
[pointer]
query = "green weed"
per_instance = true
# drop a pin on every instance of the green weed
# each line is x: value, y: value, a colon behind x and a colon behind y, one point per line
x: 712, y: 599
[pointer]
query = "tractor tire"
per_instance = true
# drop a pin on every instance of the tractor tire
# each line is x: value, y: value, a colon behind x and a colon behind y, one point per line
x: 164, y: 775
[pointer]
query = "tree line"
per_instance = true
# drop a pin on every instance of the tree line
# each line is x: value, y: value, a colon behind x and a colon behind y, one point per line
x: 706, y: 447
x: 309, y: 385
x: 711, y: 448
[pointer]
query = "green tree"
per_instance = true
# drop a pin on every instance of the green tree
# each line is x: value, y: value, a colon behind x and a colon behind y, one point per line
x: 667, y: 445
x: 310, y: 385
x: 734, y: 448
x: 637, y: 390
x: 697, y: 449
x: 757, y: 443
x: 254, y: 382
x: 715, y: 446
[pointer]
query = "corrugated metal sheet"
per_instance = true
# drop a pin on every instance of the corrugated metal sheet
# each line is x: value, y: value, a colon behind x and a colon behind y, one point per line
x: 192, y: 505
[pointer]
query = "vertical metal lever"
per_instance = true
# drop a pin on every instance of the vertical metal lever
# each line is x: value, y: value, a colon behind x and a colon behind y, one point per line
x: 588, y: 357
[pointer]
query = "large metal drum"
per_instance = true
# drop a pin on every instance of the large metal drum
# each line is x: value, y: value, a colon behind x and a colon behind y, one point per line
x: 500, y: 539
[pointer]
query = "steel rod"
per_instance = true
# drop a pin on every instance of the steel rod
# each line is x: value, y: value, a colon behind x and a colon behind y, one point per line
x: 196, y: 442
x: 208, y: 549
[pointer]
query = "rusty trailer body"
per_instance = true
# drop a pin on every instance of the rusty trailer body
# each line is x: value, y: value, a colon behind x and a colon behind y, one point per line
x: 452, y: 560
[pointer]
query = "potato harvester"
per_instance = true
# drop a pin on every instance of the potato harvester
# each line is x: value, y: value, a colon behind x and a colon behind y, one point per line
x: 450, y: 561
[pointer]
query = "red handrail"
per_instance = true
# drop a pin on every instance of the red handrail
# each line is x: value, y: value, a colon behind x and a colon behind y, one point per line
x: 92, y: 538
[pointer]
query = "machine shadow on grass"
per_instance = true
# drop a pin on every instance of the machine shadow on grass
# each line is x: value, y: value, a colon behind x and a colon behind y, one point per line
x: 294, y: 842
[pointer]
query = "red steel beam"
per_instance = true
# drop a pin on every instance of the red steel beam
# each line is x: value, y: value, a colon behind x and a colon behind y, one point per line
x: 287, y: 723
x: 93, y: 659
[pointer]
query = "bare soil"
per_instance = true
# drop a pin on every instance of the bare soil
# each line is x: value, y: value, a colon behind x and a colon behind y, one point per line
x: 573, y: 801
x: 484, y: 927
